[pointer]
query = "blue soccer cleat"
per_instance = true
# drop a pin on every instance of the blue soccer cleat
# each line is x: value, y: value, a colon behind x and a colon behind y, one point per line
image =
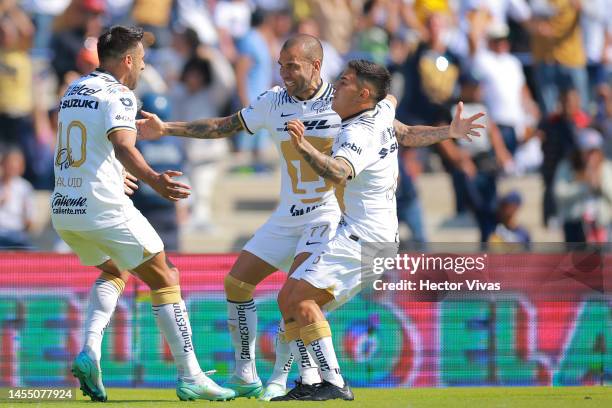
x: 243, y: 389
x: 90, y: 377
x: 203, y: 388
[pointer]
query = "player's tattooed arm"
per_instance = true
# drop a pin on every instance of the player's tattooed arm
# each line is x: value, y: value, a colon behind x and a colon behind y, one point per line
x: 152, y: 127
x: 419, y: 136
x: 337, y: 171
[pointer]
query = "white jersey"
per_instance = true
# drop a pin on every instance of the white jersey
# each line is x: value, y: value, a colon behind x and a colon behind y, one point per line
x: 88, y: 192
x: 367, y: 142
x: 303, y: 192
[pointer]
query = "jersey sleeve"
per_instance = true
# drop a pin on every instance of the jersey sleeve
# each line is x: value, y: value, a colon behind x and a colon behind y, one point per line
x: 386, y: 109
x: 254, y: 116
x: 354, y: 149
x: 121, y: 111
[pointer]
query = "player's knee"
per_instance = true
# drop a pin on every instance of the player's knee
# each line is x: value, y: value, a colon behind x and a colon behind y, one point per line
x: 303, y: 308
x: 166, y: 295
x: 237, y: 290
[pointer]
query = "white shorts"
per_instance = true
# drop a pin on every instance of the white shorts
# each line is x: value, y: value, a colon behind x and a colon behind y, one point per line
x: 128, y: 244
x: 278, y: 245
x: 341, y: 268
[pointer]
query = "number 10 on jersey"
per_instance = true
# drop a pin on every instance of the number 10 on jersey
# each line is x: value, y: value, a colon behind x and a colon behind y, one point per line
x: 66, y: 149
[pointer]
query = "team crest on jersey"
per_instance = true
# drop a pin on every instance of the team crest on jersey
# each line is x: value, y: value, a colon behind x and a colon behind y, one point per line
x: 321, y: 106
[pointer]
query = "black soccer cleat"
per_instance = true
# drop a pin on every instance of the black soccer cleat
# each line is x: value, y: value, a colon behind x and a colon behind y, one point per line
x: 328, y: 391
x: 301, y: 392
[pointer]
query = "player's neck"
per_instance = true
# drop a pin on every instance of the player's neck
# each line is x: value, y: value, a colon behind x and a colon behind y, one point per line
x: 355, y: 111
x: 114, y: 73
x: 311, y: 91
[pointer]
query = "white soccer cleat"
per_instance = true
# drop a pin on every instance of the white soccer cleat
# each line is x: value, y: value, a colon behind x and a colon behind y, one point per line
x: 203, y: 388
x: 272, y: 390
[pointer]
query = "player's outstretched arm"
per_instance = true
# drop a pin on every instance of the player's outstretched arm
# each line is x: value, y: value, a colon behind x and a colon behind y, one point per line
x: 337, y: 171
x: 152, y: 127
x: 420, y: 136
x: 124, y: 143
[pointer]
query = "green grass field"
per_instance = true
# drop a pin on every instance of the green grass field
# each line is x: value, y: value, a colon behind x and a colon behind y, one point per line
x: 540, y: 397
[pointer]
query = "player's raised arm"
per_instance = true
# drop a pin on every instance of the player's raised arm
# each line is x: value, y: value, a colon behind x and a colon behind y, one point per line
x: 420, y: 136
x: 124, y: 143
x: 152, y: 127
x: 338, y: 171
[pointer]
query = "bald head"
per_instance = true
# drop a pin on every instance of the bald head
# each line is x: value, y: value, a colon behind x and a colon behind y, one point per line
x: 308, y: 46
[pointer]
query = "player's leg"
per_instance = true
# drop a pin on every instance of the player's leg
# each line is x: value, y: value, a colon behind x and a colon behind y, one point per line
x: 103, y: 298
x: 288, y: 345
x: 172, y: 318
x: 246, y: 273
x: 315, y: 332
x: 135, y: 246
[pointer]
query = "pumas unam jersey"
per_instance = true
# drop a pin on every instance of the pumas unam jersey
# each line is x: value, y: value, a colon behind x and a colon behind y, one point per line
x: 88, y: 192
x: 303, y: 191
x: 367, y: 142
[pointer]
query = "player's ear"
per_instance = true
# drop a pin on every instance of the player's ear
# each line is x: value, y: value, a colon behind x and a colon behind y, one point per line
x: 317, y: 64
x: 365, y: 93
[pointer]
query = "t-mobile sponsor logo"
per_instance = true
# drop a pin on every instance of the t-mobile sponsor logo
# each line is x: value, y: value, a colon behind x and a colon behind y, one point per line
x: 316, y: 347
x: 183, y: 326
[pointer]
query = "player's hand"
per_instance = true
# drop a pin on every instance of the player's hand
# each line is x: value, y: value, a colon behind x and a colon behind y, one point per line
x: 465, y: 128
x: 151, y: 127
x: 129, y: 183
x: 296, y: 131
x: 170, y: 189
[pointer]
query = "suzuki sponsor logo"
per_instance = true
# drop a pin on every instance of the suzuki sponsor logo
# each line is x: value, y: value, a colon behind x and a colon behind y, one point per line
x: 79, y: 103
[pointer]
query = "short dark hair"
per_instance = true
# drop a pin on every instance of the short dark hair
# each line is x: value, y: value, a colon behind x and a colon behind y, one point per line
x: 117, y: 41
x: 311, y: 46
x: 374, y: 74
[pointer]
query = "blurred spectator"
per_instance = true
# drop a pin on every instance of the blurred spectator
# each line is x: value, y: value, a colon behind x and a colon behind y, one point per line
x: 557, y: 132
x: 558, y: 51
x: 475, y: 164
x: 336, y: 20
x: 430, y: 77
x: 154, y: 16
x: 583, y: 189
x: 233, y: 21
x: 596, y: 25
x: 82, y: 19
x: 167, y: 153
x: 371, y: 37
x: 16, y: 202
x: 204, y: 92
x: 603, y: 118
x: 254, y: 74
x: 332, y: 61
x: 170, y: 60
x: 42, y: 13
x: 508, y: 229
x: 194, y: 14
x: 506, y: 94
x: 409, y: 209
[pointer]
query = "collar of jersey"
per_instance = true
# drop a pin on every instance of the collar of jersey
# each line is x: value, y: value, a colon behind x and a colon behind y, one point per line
x: 320, y: 91
x: 368, y: 112
x: 105, y: 72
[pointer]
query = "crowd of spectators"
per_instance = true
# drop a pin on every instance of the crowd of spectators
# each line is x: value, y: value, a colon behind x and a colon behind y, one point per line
x: 541, y: 69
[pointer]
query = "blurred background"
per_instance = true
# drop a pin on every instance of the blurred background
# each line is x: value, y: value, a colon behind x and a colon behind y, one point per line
x: 541, y: 69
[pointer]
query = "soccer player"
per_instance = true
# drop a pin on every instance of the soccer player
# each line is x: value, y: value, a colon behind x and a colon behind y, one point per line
x: 364, y: 163
x: 306, y: 216
x: 95, y: 144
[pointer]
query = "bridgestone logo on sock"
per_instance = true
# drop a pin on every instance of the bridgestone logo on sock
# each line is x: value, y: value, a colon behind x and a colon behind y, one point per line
x: 181, y: 322
x: 323, y: 365
x: 304, y: 359
x: 243, y: 328
x: 287, y: 366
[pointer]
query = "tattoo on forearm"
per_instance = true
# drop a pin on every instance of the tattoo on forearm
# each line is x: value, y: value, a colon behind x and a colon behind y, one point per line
x: 326, y: 166
x: 213, y: 128
x: 419, y: 136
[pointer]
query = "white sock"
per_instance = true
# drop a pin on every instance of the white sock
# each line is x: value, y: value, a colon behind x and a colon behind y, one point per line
x: 284, y: 359
x: 103, y: 298
x: 174, y: 324
x: 323, y: 350
x: 242, y: 325
x: 307, y: 366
